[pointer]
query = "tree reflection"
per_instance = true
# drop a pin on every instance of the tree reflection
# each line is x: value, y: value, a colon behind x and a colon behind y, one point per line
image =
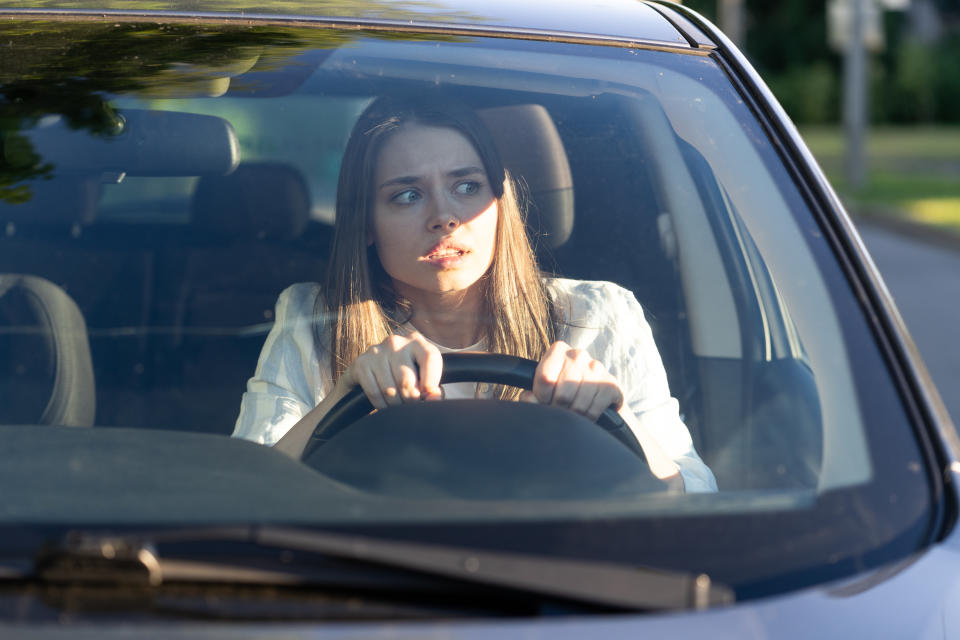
x: 72, y: 70
x: 383, y: 9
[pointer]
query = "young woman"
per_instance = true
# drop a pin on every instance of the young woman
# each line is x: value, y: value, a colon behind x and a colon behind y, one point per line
x: 430, y: 255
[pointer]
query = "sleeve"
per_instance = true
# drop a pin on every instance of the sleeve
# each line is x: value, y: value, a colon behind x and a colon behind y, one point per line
x: 610, y: 324
x: 645, y: 384
x: 288, y: 381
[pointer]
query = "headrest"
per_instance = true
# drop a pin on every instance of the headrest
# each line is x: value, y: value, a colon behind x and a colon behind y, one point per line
x: 45, y: 355
x: 258, y: 200
x: 531, y: 149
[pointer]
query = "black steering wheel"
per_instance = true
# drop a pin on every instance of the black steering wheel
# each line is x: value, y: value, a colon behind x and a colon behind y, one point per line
x: 460, y: 367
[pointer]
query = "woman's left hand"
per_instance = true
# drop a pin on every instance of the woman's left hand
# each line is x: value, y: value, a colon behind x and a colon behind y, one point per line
x: 572, y: 379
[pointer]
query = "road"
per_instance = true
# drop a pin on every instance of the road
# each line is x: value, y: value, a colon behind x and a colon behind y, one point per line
x: 925, y: 282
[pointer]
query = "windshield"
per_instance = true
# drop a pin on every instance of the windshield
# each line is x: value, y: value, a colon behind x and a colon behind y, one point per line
x: 172, y: 243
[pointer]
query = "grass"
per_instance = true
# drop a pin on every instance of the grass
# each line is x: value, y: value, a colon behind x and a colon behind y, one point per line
x: 891, y: 142
x: 913, y: 173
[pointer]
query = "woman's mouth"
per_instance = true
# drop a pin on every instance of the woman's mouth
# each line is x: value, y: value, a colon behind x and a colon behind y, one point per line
x: 445, y: 256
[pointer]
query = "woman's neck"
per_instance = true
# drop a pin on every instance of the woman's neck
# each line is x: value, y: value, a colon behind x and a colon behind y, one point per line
x: 450, y: 319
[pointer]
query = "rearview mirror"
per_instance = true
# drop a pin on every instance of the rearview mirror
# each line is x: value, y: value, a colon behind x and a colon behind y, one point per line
x: 146, y: 143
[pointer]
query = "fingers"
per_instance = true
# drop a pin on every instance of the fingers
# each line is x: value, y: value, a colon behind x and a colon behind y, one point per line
x: 568, y: 392
x: 572, y: 379
x: 401, y: 362
x: 399, y: 369
x: 362, y: 372
x: 408, y: 368
x: 430, y: 364
x: 587, y: 393
x: 548, y: 372
x: 608, y: 394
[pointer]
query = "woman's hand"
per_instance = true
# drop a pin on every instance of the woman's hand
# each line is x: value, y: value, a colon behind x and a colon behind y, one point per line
x: 399, y: 369
x: 572, y: 379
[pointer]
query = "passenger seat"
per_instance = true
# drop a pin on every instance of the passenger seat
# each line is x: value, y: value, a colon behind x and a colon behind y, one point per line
x: 248, y: 241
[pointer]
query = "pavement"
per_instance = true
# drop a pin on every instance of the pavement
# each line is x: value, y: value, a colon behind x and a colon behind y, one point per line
x: 922, y: 270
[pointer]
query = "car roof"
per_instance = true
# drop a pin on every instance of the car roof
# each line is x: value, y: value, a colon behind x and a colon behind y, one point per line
x: 611, y: 20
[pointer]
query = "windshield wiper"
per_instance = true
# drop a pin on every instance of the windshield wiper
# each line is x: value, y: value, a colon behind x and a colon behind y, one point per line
x: 91, y: 558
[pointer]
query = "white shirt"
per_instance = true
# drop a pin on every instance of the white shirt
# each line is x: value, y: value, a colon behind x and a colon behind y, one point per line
x: 600, y: 317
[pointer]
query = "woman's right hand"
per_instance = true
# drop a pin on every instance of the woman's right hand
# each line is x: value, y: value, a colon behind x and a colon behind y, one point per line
x: 399, y: 369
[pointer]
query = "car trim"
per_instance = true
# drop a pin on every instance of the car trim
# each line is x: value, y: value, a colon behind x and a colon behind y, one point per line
x: 357, y: 24
x: 694, y: 36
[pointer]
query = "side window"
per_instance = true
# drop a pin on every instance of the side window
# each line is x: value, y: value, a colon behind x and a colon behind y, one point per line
x: 765, y: 421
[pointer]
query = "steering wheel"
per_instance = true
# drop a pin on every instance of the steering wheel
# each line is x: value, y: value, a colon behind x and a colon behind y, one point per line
x: 460, y: 367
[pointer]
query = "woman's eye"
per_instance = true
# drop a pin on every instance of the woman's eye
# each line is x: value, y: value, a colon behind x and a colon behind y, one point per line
x: 406, y: 197
x: 468, y: 188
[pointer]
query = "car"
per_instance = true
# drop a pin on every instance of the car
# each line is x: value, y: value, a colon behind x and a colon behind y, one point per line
x: 170, y: 169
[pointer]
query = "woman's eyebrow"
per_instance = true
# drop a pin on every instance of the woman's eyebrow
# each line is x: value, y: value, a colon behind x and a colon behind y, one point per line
x: 465, y: 171
x: 399, y: 180
x: 405, y: 180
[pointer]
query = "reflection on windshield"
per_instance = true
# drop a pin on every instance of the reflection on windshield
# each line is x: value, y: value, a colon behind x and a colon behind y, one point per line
x: 70, y: 71
x: 74, y: 70
x: 178, y: 180
x: 419, y: 9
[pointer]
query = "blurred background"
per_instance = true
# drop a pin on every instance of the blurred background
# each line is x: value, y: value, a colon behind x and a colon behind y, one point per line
x: 874, y: 87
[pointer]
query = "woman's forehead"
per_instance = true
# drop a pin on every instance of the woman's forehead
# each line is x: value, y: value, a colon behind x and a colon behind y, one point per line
x: 417, y: 150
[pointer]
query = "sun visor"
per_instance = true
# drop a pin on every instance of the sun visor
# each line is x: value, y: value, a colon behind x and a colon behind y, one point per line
x: 146, y: 143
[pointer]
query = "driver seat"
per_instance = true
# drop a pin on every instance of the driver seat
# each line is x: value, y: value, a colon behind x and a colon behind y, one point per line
x: 530, y: 147
x: 46, y: 372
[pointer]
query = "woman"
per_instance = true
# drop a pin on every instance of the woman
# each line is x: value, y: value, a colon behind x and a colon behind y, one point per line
x: 430, y: 255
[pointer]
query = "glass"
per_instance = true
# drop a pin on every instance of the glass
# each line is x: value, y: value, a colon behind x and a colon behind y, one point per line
x: 676, y: 193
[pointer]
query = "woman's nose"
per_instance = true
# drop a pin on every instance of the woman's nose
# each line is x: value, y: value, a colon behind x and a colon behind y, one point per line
x: 443, y: 217
x: 449, y: 223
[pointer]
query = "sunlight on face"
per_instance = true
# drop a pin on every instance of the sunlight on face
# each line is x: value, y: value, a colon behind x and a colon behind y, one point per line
x: 434, y: 213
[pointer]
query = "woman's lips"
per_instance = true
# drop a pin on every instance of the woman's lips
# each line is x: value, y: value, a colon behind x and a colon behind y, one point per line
x: 445, y: 255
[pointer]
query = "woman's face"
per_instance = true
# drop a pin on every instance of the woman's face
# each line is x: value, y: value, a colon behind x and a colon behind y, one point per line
x: 434, y: 212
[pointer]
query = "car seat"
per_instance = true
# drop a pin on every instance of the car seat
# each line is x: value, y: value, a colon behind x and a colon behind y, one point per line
x: 244, y: 247
x: 47, y: 373
x: 531, y: 149
x: 250, y: 236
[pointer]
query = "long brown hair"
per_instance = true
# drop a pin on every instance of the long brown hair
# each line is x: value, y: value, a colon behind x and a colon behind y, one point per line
x: 359, y: 301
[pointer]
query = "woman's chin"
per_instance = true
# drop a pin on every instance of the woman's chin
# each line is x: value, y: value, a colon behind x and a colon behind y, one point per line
x: 434, y: 281
x: 447, y: 285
